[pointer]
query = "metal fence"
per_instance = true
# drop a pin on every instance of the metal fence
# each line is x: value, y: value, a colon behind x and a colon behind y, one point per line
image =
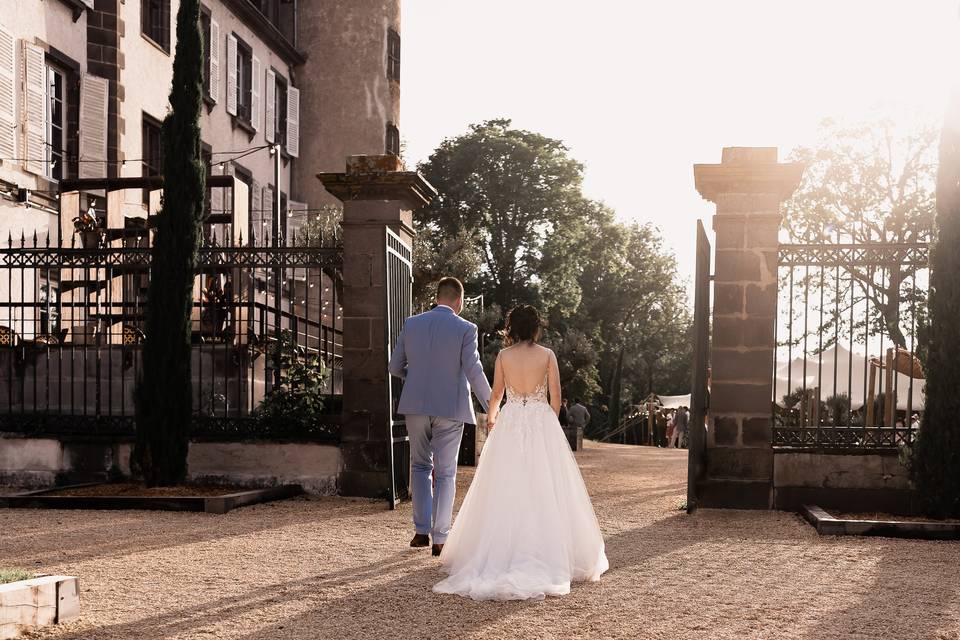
x: 72, y: 323
x: 848, y: 372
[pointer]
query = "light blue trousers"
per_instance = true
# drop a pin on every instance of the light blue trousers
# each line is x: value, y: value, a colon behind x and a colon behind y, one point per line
x: 434, y: 448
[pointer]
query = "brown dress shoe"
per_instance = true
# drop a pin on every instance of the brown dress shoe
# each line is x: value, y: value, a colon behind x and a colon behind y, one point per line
x: 420, y: 540
x: 437, y: 548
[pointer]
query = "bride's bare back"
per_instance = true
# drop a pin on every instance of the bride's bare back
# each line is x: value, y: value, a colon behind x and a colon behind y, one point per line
x: 523, y: 368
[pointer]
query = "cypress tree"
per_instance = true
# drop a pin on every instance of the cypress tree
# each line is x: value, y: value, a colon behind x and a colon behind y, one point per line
x: 164, y: 393
x: 935, y: 462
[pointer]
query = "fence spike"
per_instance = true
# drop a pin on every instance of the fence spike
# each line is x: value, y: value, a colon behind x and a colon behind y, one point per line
x: 23, y: 239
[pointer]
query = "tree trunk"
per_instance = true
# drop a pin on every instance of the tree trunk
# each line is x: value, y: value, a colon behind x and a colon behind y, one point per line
x: 165, y: 393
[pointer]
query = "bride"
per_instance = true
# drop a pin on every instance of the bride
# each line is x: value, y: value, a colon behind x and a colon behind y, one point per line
x: 526, y: 528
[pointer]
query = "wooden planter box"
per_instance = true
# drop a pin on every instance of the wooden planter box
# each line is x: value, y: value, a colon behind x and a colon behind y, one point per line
x: 36, y: 603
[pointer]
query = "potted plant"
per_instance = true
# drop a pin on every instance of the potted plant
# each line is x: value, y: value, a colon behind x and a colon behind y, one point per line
x: 86, y: 225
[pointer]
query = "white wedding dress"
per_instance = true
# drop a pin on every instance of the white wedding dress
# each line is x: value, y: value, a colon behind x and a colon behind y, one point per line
x: 526, y: 528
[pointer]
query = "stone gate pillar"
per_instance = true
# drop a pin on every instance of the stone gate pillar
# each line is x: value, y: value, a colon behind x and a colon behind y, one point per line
x: 376, y: 195
x: 747, y: 187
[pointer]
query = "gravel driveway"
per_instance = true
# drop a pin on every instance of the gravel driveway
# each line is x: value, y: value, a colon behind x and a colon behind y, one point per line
x: 341, y: 569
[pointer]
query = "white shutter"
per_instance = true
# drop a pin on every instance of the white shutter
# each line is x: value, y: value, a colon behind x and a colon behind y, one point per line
x: 216, y: 193
x: 268, y: 213
x: 232, y: 74
x: 270, y: 99
x: 8, y: 93
x: 255, y: 94
x: 214, y: 70
x: 256, y: 215
x: 34, y: 127
x: 293, y: 121
x: 94, y: 95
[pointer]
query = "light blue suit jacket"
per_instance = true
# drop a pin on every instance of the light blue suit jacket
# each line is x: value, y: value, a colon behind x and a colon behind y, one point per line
x: 436, y: 355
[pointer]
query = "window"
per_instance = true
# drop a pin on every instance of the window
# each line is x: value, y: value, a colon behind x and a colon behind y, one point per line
x: 152, y: 152
x: 155, y: 22
x: 393, y: 55
x: 207, y: 41
x: 280, y: 111
x: 393, y: 140
x: 49, y: 293
x: 244, y: 80
x: 55, y: 121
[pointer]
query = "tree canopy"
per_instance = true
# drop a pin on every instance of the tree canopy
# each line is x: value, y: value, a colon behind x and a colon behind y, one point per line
x: 513, y: 223
x: 868, y: 182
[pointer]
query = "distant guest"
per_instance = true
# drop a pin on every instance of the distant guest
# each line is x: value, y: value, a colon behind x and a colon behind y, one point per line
x: 577, y: 415
x: 562, y: 416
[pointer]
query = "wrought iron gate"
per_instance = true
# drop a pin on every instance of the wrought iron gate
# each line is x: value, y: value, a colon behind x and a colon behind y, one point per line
x: 699, y: 392
x: 399, y: 290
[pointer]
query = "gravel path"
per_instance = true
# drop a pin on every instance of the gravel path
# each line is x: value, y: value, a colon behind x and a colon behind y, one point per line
x: 341, y: 568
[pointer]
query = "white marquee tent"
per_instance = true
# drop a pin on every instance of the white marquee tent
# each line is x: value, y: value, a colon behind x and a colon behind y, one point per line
x: 852, y: 371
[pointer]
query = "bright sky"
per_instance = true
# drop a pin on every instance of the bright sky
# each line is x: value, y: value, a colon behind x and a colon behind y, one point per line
x: 642, y: 90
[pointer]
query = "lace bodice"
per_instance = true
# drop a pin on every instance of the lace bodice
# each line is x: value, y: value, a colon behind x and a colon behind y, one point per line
x: 539, y: 394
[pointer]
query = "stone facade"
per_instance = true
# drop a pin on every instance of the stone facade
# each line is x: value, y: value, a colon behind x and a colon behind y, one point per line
x: 350, y: 98
x: 747, y: 187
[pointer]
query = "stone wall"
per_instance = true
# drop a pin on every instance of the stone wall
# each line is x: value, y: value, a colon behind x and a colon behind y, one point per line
x: 44, y: 462
x: 852, y: 481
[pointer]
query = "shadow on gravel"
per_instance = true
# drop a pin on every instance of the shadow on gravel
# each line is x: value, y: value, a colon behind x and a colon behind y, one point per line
x: 194, y: 616
x: 914, y: 581
x: 153, y: 531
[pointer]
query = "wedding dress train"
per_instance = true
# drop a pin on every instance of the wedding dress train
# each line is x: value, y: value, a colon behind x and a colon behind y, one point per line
x: 526, y: 528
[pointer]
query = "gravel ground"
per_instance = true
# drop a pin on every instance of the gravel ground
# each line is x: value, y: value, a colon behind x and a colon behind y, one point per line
x: 341, y: 568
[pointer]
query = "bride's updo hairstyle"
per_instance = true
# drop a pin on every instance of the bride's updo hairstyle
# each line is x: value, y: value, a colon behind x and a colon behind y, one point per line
x: 523, y: 323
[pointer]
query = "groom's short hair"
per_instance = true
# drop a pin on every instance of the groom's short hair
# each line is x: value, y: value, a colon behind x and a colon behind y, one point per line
x: 449, y: 288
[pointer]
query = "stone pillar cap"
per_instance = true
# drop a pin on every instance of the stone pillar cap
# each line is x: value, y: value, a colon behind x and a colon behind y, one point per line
x: 369, y: 177
x: 748, y: 170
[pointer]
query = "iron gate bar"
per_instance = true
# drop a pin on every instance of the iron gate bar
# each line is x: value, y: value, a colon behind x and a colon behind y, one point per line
x: 102, y: 288
x: 399, y: 303
x: 699, y: 393
x: 872, y: 265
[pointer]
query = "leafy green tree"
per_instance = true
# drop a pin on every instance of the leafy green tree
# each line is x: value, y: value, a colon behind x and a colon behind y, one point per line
x: 577, y: 360
x: 165, y: 394
x: 512, y: 222
x: 511, y: 190
x: 868, y: 182
x: 321, y: 228
x: 935, y: 463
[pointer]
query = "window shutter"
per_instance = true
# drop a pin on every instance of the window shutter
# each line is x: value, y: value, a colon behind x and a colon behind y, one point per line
x: 8, y: 93
x: 255, y: 93
x: 232, y: 75
x: 270, y: 100
x: 256, y: 215
x: 227, y: 205
x: 214, y: 69
x: 33, y: 121
x: 216, y: 193
x: 293, y: 121
x: 268, y: 206
x: 94, y: 94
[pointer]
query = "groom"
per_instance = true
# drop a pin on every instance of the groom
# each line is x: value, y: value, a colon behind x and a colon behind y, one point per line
x: 436, y: 355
